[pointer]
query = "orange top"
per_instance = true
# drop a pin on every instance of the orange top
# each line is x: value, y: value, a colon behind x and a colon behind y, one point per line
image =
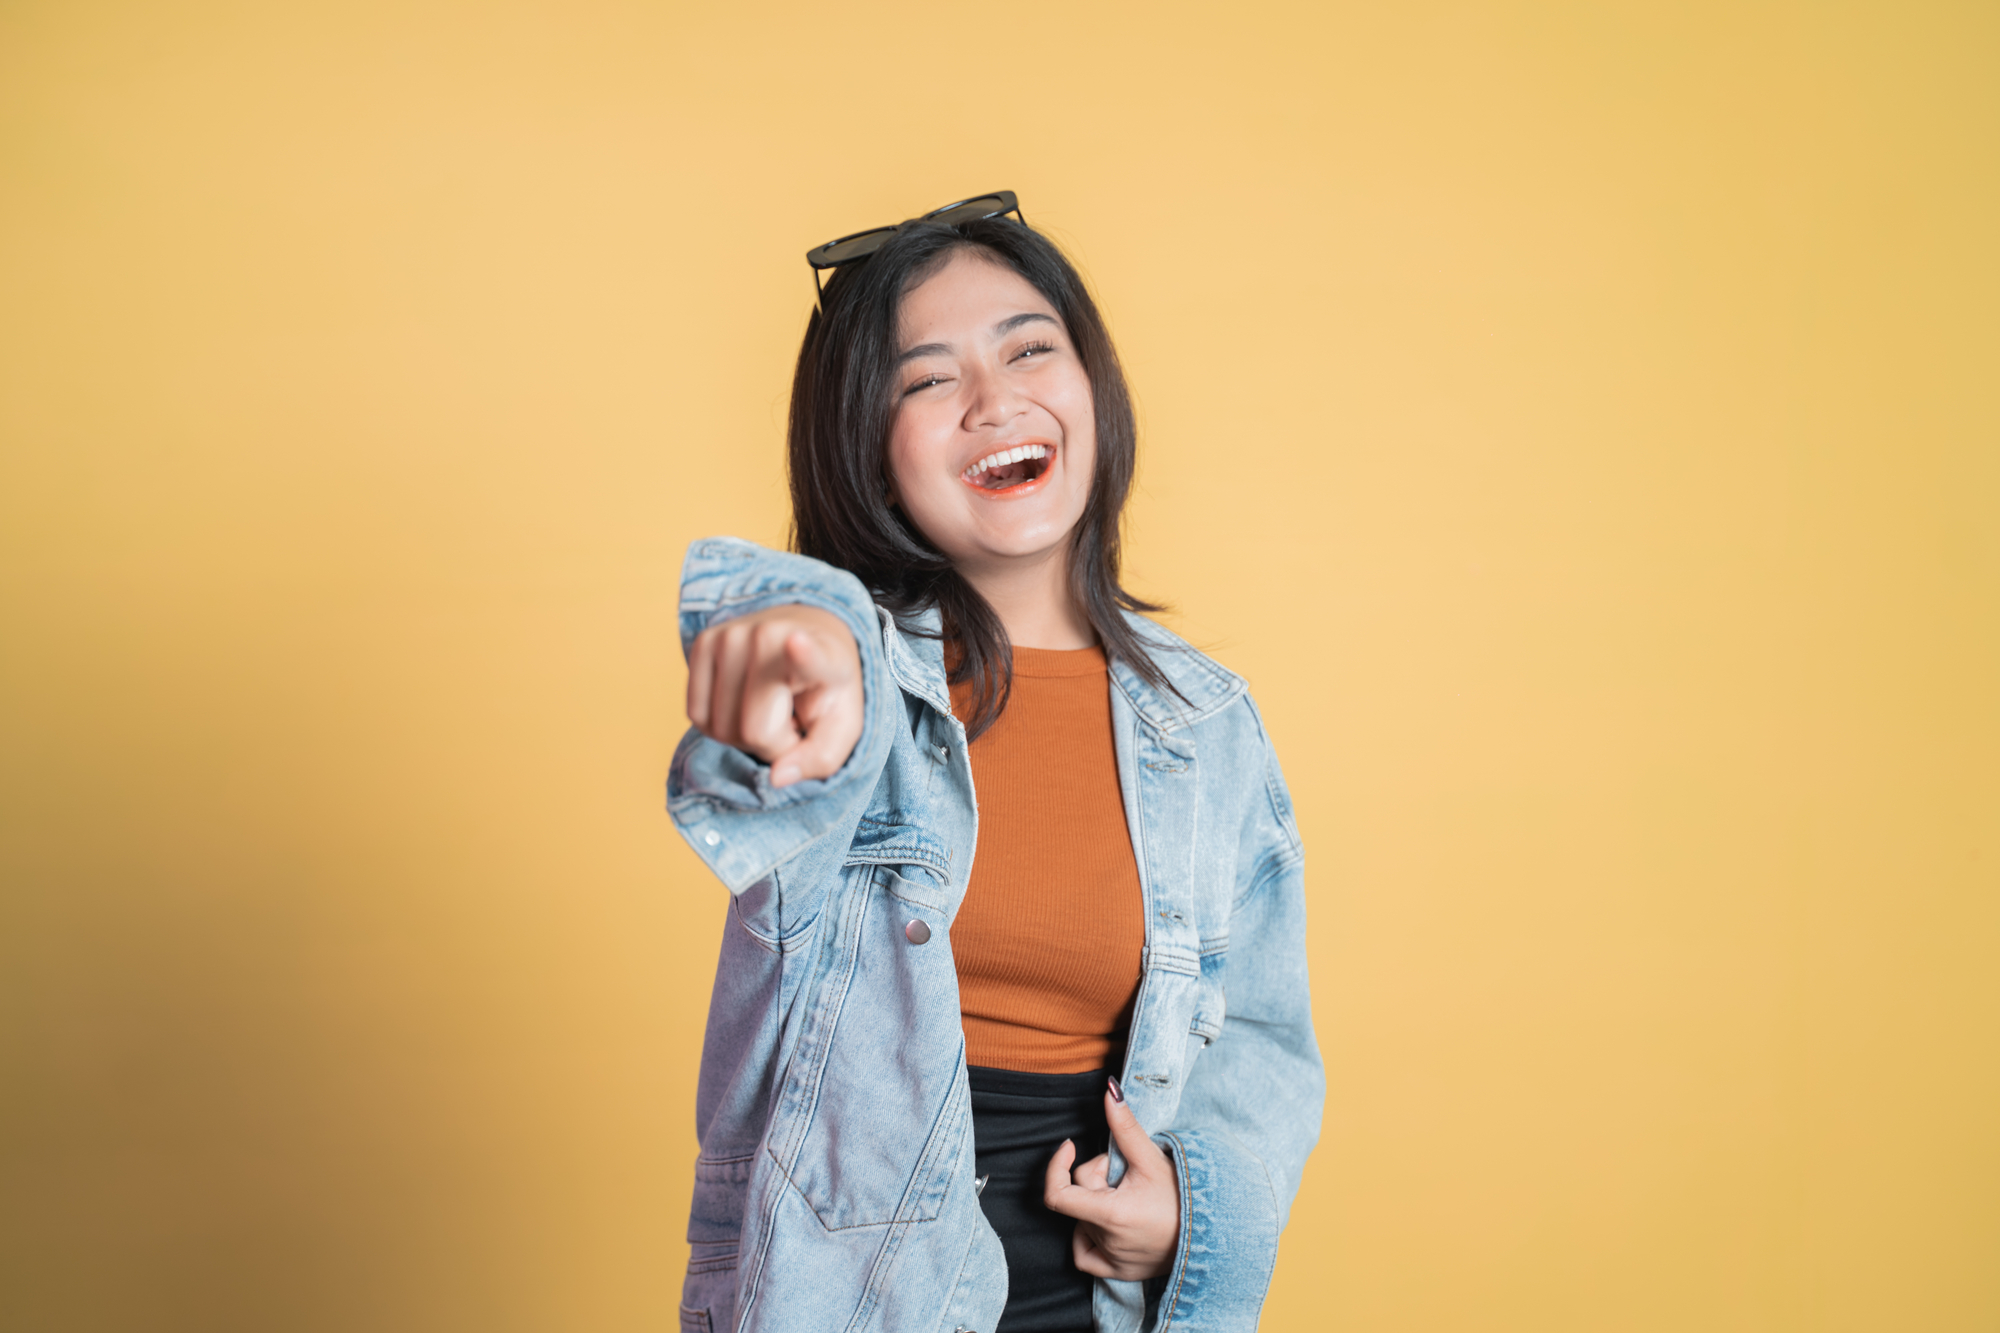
x: 1048, y: 939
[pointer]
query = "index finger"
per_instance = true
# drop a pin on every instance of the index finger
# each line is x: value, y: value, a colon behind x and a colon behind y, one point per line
x: 805, y: 660
x: 1141, y: 1153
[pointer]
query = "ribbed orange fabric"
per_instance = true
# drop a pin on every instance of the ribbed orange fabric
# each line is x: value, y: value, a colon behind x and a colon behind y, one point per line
x: 1048, y: 939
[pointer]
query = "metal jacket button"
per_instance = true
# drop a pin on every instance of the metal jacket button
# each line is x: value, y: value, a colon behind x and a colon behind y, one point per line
x: 917, y: 932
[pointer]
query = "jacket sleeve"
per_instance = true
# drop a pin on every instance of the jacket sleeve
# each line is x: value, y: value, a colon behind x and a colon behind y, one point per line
x: 1250, y: 1112
x: 720, y: 798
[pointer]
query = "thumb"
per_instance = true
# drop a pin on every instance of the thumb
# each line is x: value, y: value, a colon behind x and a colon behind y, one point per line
x: 1142, y: 1155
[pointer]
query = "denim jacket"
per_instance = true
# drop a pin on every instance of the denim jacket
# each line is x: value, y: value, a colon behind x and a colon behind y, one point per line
x: 835, y: 1187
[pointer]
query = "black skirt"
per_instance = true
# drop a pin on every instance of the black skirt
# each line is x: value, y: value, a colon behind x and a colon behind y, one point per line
x: 1018, y: 1122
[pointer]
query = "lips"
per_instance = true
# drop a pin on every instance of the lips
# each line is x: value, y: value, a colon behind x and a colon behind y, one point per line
x: 1010, y: 469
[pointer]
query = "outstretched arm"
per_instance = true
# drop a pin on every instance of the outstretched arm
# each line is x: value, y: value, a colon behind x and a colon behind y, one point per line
x: 794, y: 710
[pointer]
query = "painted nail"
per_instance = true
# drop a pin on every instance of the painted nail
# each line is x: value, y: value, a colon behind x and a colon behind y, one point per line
x: 1117, y: 1093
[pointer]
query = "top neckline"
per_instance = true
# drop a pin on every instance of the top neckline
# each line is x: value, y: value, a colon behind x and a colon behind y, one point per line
x: 1043, y: 663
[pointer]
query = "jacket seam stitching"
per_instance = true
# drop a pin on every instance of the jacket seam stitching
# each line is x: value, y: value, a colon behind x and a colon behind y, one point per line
x: 768, y: 1213
x: 1171, y: 1302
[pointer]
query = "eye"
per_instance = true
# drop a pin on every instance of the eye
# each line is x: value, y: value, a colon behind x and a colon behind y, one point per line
x: 1034, y: 349
x: 923, y: 382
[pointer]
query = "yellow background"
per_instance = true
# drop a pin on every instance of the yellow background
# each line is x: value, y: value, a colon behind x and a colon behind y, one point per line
x: 1580, y: 422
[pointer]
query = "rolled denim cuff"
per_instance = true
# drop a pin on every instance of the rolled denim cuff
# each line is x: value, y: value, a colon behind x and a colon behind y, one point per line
x: 1229, y: 1236
x: 721, y: 799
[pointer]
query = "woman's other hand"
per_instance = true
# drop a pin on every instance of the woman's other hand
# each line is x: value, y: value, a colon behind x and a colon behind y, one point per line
x: 782, y: 684
x: 1129, y: 1230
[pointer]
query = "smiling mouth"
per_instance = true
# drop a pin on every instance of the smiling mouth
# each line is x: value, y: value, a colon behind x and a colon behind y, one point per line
x: 1008, y: 469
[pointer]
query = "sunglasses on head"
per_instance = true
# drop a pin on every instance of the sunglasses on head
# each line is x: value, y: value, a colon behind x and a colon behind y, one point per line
x: 860, y: 245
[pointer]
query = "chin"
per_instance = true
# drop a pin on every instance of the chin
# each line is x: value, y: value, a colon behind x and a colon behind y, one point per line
x: 1023, y: 545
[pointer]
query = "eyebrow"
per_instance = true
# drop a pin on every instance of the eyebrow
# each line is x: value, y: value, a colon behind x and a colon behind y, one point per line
x: 1000, y: 330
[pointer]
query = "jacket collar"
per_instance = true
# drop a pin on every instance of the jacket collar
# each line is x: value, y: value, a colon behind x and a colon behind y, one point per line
x: 916, y: 657
x: 1199, y: 687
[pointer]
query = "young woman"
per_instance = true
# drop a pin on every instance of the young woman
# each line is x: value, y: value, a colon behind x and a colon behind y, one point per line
x: 1037, y: 1059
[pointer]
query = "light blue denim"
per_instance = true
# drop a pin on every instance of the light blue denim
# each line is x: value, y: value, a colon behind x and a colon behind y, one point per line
x: 835, y: 1186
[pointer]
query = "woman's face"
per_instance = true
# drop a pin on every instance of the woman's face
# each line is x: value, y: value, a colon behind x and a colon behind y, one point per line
x: 994, y: 442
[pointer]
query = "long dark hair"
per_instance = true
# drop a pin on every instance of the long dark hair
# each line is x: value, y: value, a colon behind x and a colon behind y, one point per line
x: 842, y: 404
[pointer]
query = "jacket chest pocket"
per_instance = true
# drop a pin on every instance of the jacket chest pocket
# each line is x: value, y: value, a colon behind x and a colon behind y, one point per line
x: 889, y: 1110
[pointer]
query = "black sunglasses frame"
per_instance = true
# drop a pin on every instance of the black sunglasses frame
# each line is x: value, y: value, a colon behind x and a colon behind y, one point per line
x: 859, y: 245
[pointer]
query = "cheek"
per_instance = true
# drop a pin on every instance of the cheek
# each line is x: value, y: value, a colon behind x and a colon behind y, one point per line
x: 1079, y: 420
x: 912, y: 454
x: 899, y: 470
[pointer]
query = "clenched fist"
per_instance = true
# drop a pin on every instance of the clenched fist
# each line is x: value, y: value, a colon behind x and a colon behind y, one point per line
x: 782, y: 684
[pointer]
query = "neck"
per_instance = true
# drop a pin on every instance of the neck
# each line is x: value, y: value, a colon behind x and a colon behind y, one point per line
x: 1033, y: 600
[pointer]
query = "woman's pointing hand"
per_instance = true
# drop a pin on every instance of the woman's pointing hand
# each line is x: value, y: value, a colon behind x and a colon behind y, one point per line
x: 1128, y: 1230
x: 783, y: 684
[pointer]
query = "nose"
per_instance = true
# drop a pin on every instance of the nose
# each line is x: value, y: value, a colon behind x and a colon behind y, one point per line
x: 991, y: 401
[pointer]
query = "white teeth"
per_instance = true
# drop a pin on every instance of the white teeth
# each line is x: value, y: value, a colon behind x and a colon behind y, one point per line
x: 1006, y: 456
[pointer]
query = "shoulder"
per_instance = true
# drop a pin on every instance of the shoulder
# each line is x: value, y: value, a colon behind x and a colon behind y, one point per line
x: 1207, y: 710
x: 1196, y: 690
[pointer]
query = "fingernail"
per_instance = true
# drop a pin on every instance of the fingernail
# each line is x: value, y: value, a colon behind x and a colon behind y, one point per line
x: 784, y: 777
x: 1117, y: 1093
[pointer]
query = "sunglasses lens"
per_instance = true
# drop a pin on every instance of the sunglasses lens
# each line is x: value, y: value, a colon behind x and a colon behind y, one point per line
x: 849, y: 248
x: 865, y: 243
x: 972, y: 210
